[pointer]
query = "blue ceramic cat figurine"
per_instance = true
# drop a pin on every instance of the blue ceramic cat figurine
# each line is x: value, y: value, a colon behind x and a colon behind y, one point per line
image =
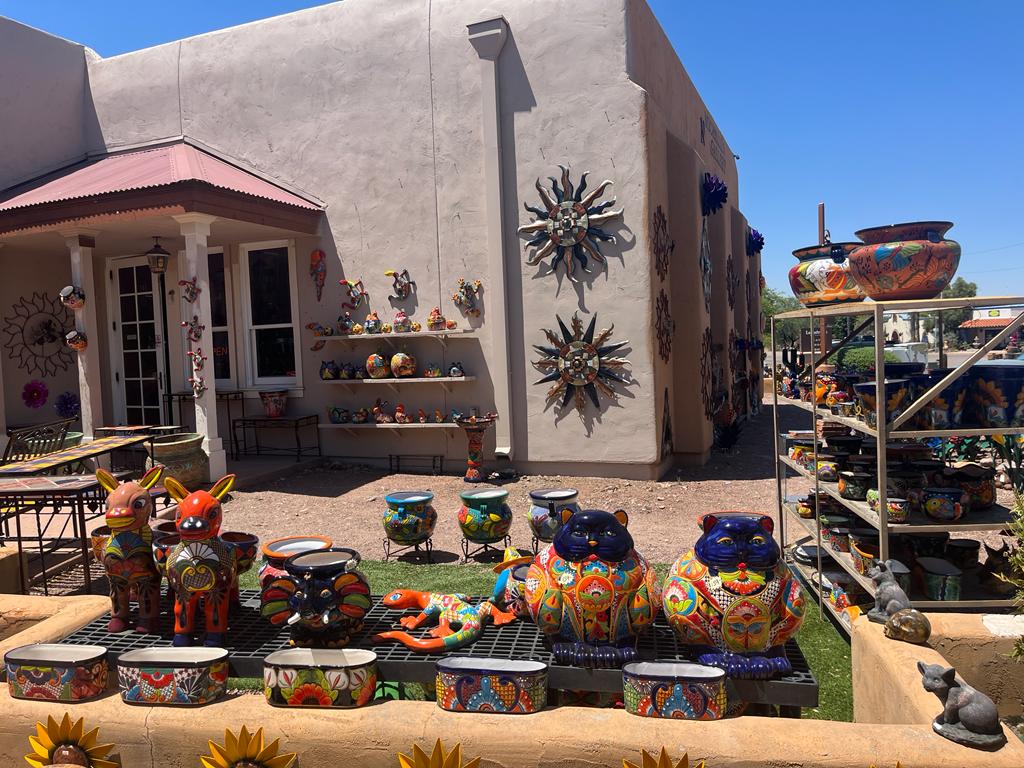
x: 591, y: 592
x: 734, y: 598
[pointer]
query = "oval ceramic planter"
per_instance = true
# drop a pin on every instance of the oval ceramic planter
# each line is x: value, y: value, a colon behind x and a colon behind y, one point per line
x: 410, y: 517
x: 182, y: 457
x: 546, y: 507
x: 673, y: 689
x: 823, y: 275
x: 323, y: 678
x: 184, y: 677
x: 56, y: 672
x: 276, y: 551
x: 485, y: 518
x: 905, y: 261
x: 481, y: 684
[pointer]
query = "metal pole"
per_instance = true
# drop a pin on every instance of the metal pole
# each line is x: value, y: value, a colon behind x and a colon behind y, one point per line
x: 882, y: 437
x: 814, y: 470
x: 775, y: 443
x: 167, y: 405
x: 940, y: 332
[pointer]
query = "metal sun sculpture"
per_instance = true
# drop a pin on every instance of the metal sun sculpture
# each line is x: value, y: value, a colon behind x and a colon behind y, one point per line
x: 579, y: 363
x: 648, y: 760
x: 661, y: 244
x: 437, y: 758
x: 34, y: 335
x: 569, y: 224
x: 247, y: 749
x: 664, y: 326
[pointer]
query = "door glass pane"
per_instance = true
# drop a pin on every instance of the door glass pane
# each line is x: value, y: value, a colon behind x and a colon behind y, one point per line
x: 275, y: 352
x: 127, y: 309
x: 150, y: 394
x: 131, y: 365
x: 269, y: 287
x: 126, y: 280
x: 152, y: 416
x: 147, y: 335
x: 145, y: 306
x: 221, y: 355
x: 133, y: 392
x: 148, y: 365
x: 218, y: 292
x: 135, y: 416
x: 129, y: 336
x: 143, y: 279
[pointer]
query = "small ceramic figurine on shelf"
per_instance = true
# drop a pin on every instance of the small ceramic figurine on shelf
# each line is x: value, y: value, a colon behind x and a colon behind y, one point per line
x: 403, y: 365
x: 401, y: 323
x: 466, y: 295
x: 356, y: 293
x: 591, y: 592
x: 201, y: 568
x: 432, y: 371
x: 377, y: 366
x: 128, y: 553
x: 401, y: 417
x: 889, y: 595
x: 380, y: 412
x: 421, y: 416
x: 357, y: 329
x: 456, y: 371
x: 385, y: 328
x: 329, y: 370
x: 968, y: 716
x: 360, y: 416
x: 360, y: 373
x: 339, y: 415
x: 416, y: 327
x: 372, y: 323
x: 347, y: 371
x: 457, y: 415
x: 345, y: 323
x: 401, y: 284
x: 435, y: 320
x: 438, y: 416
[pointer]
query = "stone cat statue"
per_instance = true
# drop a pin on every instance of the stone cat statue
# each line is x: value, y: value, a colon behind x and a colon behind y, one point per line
x: 734, y: 598
x: 889, y: 595
x: 968, y: 716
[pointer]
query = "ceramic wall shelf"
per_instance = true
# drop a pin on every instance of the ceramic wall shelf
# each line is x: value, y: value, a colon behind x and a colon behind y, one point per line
x: 503, y: 686
x: 304, y: 677
x: 186, y: 677
x: 56, y: 672
x: 674, y: 690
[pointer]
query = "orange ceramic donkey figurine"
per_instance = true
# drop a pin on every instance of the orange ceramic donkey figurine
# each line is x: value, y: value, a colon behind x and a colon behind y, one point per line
x: 128, y: 554
x: 202, y: 567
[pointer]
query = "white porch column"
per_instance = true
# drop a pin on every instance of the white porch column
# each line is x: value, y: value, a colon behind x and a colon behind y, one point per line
x: 195, y: 227
x: 3, y: 405
x: 81, y: 243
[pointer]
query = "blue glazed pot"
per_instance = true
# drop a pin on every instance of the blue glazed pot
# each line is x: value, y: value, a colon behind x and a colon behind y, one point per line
x: 410, y: 518
x: 896, y: 392
x: 999, y: 395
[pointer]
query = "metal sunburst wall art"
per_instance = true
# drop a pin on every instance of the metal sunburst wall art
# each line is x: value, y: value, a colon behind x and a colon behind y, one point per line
x: 664, y: 326
x: 569, y: 224
x: 34, y: 334
x: 580, y: 364
x: 705, y: 373
x: 661, y: 244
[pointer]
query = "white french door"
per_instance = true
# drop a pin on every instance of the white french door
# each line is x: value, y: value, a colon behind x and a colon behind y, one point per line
x: 137, y: 348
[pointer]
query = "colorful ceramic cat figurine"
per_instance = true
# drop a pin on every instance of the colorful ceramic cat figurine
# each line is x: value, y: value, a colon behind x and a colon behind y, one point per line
x: 734, y: 598
x: 591, y: 592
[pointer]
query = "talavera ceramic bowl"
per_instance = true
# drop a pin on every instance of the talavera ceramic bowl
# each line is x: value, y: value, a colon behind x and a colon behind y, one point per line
x: 184, y: 677
x: 673, y: 689
x: 481, y: 684
x: 341, y: 678
x: 56, y: 672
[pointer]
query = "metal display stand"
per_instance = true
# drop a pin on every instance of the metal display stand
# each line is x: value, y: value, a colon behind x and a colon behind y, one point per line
x: 995, y: 518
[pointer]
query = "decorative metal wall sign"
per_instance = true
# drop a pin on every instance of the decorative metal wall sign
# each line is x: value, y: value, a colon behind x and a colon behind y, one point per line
x: 732, y: 282
x: 705, y: 263
x: 661, y: 244
x: 705, y: 373
x: 580, y: 364
x: 664, y: 326
x: 34, y: 334
x: 569, y: 224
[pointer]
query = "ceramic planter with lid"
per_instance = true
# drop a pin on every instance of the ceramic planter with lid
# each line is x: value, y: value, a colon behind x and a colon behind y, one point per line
x: 481, y: 684
x: 307, y: 677
x: 187, y: 677
x: 823, y: 276
x: 905, y: 261
x: 56, y: 672
x: 674, y: 689
x: 546, y: 505
x: 485, y: 517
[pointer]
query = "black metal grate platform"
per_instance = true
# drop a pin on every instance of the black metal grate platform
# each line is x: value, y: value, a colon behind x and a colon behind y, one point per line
x: 251, y: 638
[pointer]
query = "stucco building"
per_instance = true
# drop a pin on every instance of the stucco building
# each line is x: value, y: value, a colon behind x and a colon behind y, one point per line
x: 389, y: 136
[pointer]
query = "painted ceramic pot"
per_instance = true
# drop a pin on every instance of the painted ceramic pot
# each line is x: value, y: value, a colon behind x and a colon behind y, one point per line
x: 56, y: 672
x: 905, y: 261
x: 246, y: 547
x: 823, y: 275
x: 546, y: 505
x: 377, y: 367
x: 946, y: 504
x: 182, y: 457
x: 410, y: 517
x: 864, y: 556
x: 897, y: 510
x: 929, y: 544
x: 828, y: 470
x: 675, y: 690
x: 839, y: 538
x: 941, y: 578
x: 72, y: 297
x: 854, y: 485
x: 963, y: 553
x: 337, y: 415
x: 485, y: 517
x: 403, y: 365
x: 999, y: 395
x: 98, y: 542
x: 277, y: 551
x: 896, y: 393
x: 501, y: 686
x: 830, y: 521
x: 978, y: 482
x: 322, y: 597
x: 187, y: 677
x: 274, y: 403
x: 162, y: 546
x: 303, y: 677
x: 76, y: 340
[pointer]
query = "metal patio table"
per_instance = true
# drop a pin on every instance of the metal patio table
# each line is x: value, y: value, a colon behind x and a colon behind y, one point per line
x: 50, y: 462
x: 260, y: 423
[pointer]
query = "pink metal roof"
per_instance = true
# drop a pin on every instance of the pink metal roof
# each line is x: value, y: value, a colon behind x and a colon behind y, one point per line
x: 149, y: 168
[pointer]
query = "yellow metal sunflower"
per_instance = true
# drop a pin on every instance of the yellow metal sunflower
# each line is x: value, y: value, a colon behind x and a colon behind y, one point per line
x: 67, y: 742
x: 437, y: 758
x: 246, y: 750
x: 662, y: 761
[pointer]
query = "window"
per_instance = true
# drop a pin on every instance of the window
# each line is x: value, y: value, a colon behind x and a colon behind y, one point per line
x: 221, y: 313
x: 270, y: 312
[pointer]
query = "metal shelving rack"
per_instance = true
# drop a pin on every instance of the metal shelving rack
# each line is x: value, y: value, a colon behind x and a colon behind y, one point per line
x: 995, y: 518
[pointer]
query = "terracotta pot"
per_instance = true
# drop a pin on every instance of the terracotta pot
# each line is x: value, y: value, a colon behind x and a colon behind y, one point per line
x: 182, y: 457
x: 905, y: 261
x: 823, y: 275
x: 274, y: 403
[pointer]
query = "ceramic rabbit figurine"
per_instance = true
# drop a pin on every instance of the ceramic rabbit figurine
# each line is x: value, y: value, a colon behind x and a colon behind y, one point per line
x: 968, y: 716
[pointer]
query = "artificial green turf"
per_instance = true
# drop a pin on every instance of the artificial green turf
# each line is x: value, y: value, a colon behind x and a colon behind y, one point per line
x: 825, y: 649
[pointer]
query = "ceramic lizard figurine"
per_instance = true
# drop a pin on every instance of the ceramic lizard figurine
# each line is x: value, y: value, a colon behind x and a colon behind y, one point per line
x: 449, y: 610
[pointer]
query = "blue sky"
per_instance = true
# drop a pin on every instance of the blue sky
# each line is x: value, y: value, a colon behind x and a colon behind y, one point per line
x: 887, y: 111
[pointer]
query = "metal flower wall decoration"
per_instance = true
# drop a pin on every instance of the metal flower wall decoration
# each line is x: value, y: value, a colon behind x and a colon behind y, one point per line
x: 714, y: 194
x: 664, y: 326
x: 705, y: 264
x: 568, y: 225
x: 580, y: 364
x: 661, y: 244
x: 35, y: 394
x: 68, y: 405
x: 755, y: 242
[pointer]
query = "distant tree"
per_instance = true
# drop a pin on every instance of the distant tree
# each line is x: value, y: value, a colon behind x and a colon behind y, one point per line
x: 786, y: 331
x: 952, y: 318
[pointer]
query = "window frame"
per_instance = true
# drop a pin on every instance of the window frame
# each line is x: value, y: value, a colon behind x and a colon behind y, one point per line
x: 249, y: 330
x: 229, y: 383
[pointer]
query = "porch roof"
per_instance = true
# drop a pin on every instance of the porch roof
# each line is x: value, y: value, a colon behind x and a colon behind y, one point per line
x: 177, y: 176
x: 987, y: 322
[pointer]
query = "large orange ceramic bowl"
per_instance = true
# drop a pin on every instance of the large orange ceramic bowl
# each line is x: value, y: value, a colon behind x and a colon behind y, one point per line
x: 823, y: 275
x: 905, y: 261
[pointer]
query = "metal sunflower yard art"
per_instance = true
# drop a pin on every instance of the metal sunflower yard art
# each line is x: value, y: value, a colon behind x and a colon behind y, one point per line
x: 580, y: 363
x: 246, y: 750
x: 437, y: 758
x: 647, y: 760
x: 67, y: 741
x: 569, y: 224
